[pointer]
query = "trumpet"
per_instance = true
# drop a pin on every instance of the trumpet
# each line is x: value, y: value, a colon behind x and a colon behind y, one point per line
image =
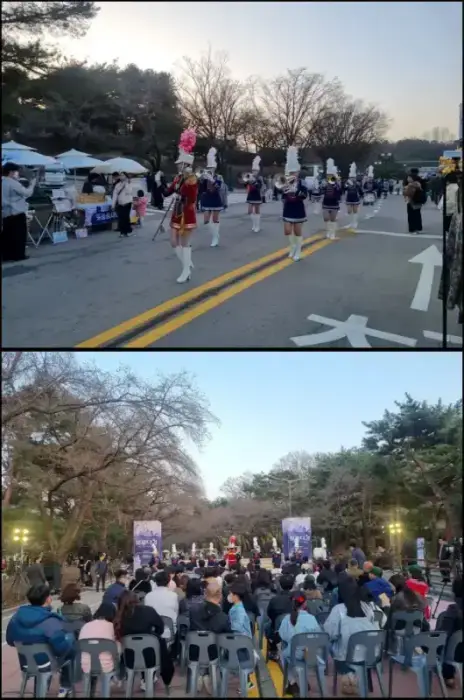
x: 248, y: 178
x: 202, y: 174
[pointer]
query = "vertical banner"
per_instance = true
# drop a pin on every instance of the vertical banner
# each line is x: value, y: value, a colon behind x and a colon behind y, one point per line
x: 297, y: 535
x: 420, y: 551
x: 147, y: 537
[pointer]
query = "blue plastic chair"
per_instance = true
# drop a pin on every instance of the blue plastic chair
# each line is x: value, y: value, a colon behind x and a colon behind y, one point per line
x: 372, y: 643
x: 42, y: 675
x: 236, y: 654
x: 424, y: 665
x: 316, y: 651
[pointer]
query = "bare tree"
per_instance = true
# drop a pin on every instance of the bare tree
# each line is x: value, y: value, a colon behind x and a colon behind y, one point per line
x: 80, y: 439
x: 348, y: 131
x: 292, y: 102
x: 210, y: 99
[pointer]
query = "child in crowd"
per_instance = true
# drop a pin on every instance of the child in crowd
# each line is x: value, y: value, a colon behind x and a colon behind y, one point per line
x: 140, y: 206
x: 238, y: 616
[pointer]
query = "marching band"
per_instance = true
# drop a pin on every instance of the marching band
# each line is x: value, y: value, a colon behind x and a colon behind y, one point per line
x: 207, y: 187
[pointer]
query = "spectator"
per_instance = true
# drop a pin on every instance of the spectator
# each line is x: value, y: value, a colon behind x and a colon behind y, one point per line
x: 416, y: 582
x: 163, y: 600
x: 239, y: 620
x: 208, y: 615
x: 262, y: 585
x: 201, y: 567
x: 354, y: 570
x: 452, y: 622
x: 71, y: 609
x: 298, y: 621
x: 14, y: 210
x: 116, y: 589
x: 172, y: 572
x: 181, y: 581
x: 327, y: 577
x: 414, y: 195
x: 35, y: 573
x: 310, y: 589
x: 132, y: 617
x: 141, y: 581
x: 36, y: 623
x: 101, y: 571
x: 405, y: 599
x: 140, y: 206
x: 194, y: 596
x: 101, y: 627
x: 122, y: 204
x: 281, y: 604
x: 352, y: 614
x: 358, y: 554
x: 189, y: 570
x: 364, y: 578
x: 380, y: 589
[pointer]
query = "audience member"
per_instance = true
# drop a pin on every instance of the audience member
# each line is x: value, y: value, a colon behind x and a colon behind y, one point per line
x: 358, y: 554
x: 141, y: 581
x: 298, y: 621
x: 116, y: 589
x: 194, y: 595
x: 451, y: 622
x: 163, y: 600
x: 380, y: 589
x: 281, y: 604
x: 72, y: 609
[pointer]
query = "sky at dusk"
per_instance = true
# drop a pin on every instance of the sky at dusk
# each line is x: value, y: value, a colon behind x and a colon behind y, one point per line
x: 404, y: 57
x: 272, y: 403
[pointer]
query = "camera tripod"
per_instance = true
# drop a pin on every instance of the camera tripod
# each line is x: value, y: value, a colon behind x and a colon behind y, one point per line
x: 445, y: 582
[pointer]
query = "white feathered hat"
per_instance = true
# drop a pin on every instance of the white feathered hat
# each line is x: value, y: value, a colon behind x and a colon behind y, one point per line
x: 292, y: 164
x: 352, y: 170
x: 331, y: 168
x: 255, y: 163
x: 211, y: 158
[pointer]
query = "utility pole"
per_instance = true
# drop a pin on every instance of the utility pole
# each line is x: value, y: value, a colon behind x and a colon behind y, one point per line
x: 289, y: 483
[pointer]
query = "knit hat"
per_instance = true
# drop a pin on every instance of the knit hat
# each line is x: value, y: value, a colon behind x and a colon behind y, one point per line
x: 377, y: 571
x: 414, y: 569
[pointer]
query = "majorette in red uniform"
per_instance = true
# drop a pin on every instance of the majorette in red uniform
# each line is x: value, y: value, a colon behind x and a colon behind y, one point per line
x: 184, y: 217
x: 231, y: 555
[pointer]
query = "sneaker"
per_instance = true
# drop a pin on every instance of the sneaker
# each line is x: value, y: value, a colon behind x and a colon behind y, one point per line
x: 63, y: 692
x: 143, y: 687
x: 199, y: 684
x: 293, y: 690
x: 250, y: 685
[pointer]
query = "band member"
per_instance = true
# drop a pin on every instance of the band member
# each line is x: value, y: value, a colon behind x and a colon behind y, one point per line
x: 316, y: 195
x: 331, y: 194
x: 369, y: 187
x: 231, y: 554
x: 184, y: 218
x: 213, y: 196
x: 294, y: 193
x: 255, y: 185
x: 353, y: 196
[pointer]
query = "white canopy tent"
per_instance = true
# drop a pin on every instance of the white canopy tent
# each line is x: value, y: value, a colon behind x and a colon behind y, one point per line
x: 13, y: 146
x: 28, y: 159
x: 72, y: 160
x: 118, y: 165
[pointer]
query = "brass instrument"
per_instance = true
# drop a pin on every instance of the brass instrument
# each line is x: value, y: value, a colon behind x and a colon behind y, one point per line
x: 286, y: 183
x: 203, y: 174
x: 248, y: 178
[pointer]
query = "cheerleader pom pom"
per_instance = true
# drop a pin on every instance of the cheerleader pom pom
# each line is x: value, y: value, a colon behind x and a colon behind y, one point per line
x: 188, y: 140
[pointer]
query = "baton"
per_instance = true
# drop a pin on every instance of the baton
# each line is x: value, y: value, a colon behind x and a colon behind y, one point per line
x: 160, y: 227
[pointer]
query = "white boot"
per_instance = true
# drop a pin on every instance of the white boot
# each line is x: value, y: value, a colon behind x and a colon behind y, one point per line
x: 253, y: 222
x: 215, y: 232
x: 292, y: 242
x: 180, y: 255
x: 186, y: 260
x: 298, y: 244
x: 257, y: 218
x: 327, y: 229
x: 355, y: 221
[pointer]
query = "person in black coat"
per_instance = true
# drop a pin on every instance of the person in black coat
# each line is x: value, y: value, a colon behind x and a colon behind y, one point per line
x: 327, y: 578
x: 451, y: 622
x: 141, y: 582
x: 281, y: 604
x: 209, y: 616
x: 135, y: 618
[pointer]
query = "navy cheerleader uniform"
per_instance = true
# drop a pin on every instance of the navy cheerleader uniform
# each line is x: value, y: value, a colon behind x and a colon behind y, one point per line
x: 254, y: 195
x: 294, y: 209
x: 369, y: 192
x: 211, y: 194
x: 331, y: 196
x: 353, y: 194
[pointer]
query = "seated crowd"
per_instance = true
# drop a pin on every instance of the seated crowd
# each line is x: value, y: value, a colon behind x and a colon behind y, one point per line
x: 339, y: 599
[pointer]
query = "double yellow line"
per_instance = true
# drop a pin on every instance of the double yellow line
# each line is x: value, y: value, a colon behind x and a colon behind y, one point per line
x: 184, y: 309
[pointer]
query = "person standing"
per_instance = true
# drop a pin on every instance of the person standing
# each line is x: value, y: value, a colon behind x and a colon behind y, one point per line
x: 211, y: 201
x: 158, y: 188
x: 254, y: 200
x: 331, y: 199
x: 353, y: 197
x: 14, y: 210
x: 101, y: 571
x: 294, y: 193
x: 122, y: 203
x: 414, y: 196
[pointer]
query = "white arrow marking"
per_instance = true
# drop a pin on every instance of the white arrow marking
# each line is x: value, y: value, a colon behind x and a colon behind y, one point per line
x: 433, y: 335
x: 429, y: 259
x: 355, y: 329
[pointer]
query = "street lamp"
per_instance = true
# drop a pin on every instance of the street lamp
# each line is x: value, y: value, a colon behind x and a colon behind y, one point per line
x: 21, y: 535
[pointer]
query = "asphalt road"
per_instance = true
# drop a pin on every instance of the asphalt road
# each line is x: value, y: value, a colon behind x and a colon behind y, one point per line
x: 107, y: 292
